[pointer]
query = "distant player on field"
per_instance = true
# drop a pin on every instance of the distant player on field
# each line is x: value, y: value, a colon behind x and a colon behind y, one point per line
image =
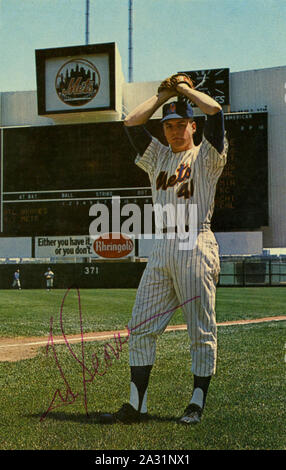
x: 49, y: 275
x: 16, y: 280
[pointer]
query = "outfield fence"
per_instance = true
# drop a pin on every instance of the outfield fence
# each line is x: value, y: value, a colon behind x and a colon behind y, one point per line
x: 87, y: 273
x: 253, y: 272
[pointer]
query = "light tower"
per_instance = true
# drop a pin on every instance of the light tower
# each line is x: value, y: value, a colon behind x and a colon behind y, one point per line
x: 130, y: 45
x: 87, y: 22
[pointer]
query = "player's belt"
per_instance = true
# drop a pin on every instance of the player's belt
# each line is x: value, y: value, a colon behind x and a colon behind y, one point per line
x: 205, y: 227
x: 175, y: 229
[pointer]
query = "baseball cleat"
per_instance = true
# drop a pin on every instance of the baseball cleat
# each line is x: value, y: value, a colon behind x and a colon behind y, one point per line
x: 192, y: 414
x: 126, y: 415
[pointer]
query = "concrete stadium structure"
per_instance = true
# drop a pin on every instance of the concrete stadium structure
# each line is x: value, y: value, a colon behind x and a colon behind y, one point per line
x: 262, y: 90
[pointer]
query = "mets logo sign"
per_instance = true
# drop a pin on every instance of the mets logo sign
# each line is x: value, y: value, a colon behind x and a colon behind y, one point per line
x: 77, y: 82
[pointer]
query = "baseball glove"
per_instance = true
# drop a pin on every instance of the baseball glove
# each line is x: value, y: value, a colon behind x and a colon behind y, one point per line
x: 171, y: 82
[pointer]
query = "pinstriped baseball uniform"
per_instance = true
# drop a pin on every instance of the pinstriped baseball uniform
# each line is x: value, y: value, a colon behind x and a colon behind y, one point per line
x: 174, y: 277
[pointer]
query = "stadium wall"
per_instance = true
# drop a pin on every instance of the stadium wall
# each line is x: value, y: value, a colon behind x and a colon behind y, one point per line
x: 236, y: 271
x: 20, y: 247
x: 81, y: 275
x: 251, y: 91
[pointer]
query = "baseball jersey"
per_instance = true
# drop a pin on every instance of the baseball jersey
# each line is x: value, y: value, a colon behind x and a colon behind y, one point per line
x: 49, y: 275
x: 188, y: 177
x: 175, y: 276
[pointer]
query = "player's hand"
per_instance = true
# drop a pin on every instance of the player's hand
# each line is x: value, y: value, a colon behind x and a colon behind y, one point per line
x: 182, y: 87
x: 165, y: 95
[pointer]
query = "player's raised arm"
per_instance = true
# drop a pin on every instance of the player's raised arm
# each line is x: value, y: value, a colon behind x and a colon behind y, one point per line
x: 143, y: 112
x: 214, y: 127
x: 203, y: 101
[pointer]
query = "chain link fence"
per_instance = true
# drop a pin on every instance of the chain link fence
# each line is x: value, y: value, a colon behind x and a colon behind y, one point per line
x: 253, y: 272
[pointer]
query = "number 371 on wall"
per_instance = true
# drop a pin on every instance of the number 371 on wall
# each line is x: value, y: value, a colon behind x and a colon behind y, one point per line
x: 90, y: 270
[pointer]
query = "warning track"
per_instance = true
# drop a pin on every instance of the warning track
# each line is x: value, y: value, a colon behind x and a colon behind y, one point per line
x: 19, y: 348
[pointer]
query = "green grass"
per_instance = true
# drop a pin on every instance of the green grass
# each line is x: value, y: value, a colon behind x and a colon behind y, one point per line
x: 250, y: 302
x: 246, y: 401
x: 245, y: 407
x: 28, y: 312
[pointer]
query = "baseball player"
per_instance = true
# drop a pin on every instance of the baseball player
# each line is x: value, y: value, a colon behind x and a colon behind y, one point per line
x: 49, y: 275
x: 179, y: 173
x: 16, y: 280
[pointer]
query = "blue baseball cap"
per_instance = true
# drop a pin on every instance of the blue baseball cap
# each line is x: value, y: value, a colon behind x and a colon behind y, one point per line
x: 177, y: 110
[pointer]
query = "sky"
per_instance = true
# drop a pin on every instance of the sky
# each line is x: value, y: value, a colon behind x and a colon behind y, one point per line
x: 168, y: 35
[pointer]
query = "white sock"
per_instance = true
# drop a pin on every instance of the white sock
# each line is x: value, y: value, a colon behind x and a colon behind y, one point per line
x: 198, y: 397
x: 134, y: 399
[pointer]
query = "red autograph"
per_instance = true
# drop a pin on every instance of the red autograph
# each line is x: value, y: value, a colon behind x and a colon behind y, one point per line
x: 88, y: 374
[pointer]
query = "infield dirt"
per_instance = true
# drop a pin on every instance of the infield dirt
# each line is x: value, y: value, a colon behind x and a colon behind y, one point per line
x: 20, y: 348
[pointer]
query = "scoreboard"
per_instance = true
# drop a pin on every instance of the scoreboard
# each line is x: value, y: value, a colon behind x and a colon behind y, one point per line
x: 52, y: 175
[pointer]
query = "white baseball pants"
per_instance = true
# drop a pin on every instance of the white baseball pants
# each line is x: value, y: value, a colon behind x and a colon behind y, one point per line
x: 178, y: 278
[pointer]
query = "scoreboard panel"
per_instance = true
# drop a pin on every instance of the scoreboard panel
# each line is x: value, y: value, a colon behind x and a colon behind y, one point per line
x: 52, y: 175
x: 242, y: 191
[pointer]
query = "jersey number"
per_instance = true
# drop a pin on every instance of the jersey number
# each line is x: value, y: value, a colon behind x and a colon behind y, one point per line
x: 186, y: 190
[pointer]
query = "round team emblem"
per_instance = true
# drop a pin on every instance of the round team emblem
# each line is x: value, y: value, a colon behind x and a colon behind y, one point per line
x: 77, y: 82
